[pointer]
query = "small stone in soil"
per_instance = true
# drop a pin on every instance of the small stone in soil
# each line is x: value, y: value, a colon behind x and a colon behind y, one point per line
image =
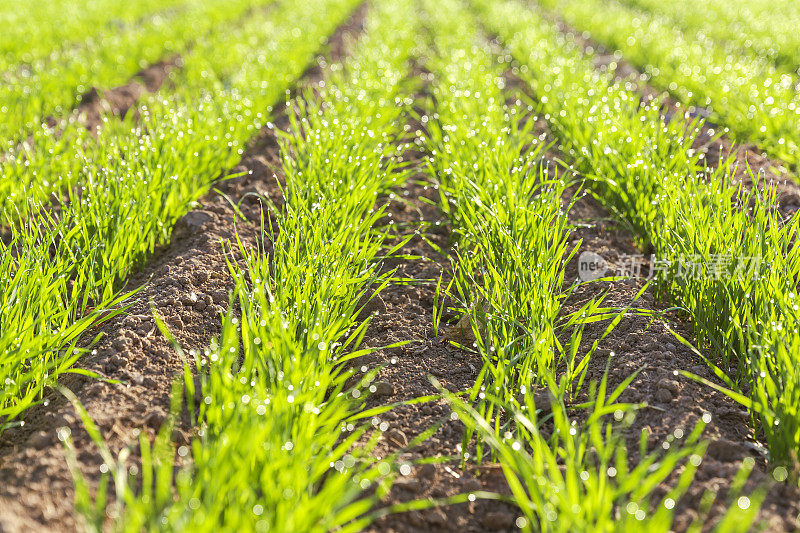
x: 175, y: 321
x: 396, y: 437
x: 195, y: 220
x: 472, y: 485
x: 426, y: 471
x: 375, y: 305
x: 437, y: 517
x: 407, y: 483
x: 383, y: 388
x: 439, y: 491
x: 115, y: 362
x: 189, y: 299
x: 154, y: 420
x: 121, y: 343
x: 415, y: 518
x: 663, y: 396
x: 41, y: 440
x: 669, y: 384
x: 725, y: 450
x: 734, y: 413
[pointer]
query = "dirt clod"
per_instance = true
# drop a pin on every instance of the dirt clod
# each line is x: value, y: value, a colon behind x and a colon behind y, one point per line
x: 725, y: 450
x: 383, y: 388
x: 409, y: 484
x: 41, y: 439
x: 426, y: 472
x: 663, y: 396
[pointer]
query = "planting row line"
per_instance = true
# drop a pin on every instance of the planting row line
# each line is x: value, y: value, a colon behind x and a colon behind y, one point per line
x: 747, y: 95
x: 33, y: 30
x: 53, y: 85
x: 512, y: 235
x: 761, y: 28
x: 62, y: 268
x: 55, y: 158
x: 277, y: 418
x: 741, y: 292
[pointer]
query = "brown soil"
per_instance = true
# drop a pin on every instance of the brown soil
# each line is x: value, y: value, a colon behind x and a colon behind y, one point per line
x: 731, y: 436
x: 187, y: 282
x: 95, y: 103
x: 674, y: 404
x: 637, y: 343
x: 403, y: 312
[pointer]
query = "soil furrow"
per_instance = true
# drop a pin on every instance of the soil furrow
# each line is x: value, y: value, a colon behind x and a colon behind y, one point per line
x: 187, y: 282
x: 403, y: 312
x: 96, y: 103
x: 674, y: 404
x: 92, y: 106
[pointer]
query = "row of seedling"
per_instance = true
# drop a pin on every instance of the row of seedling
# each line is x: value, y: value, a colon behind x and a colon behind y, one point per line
x: 760, y: 28
x: 747, y: 95
x: 281, y: 407
x: 63, y: 267
x: 741, y: 287
x: 35, y: 94
x: 34, y: 31
x: 507, y: 209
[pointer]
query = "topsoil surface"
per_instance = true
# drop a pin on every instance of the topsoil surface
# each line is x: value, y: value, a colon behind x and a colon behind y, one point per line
x: 674, y: 404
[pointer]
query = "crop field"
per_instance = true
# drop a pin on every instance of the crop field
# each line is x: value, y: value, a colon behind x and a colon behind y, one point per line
x: 399, y: 265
